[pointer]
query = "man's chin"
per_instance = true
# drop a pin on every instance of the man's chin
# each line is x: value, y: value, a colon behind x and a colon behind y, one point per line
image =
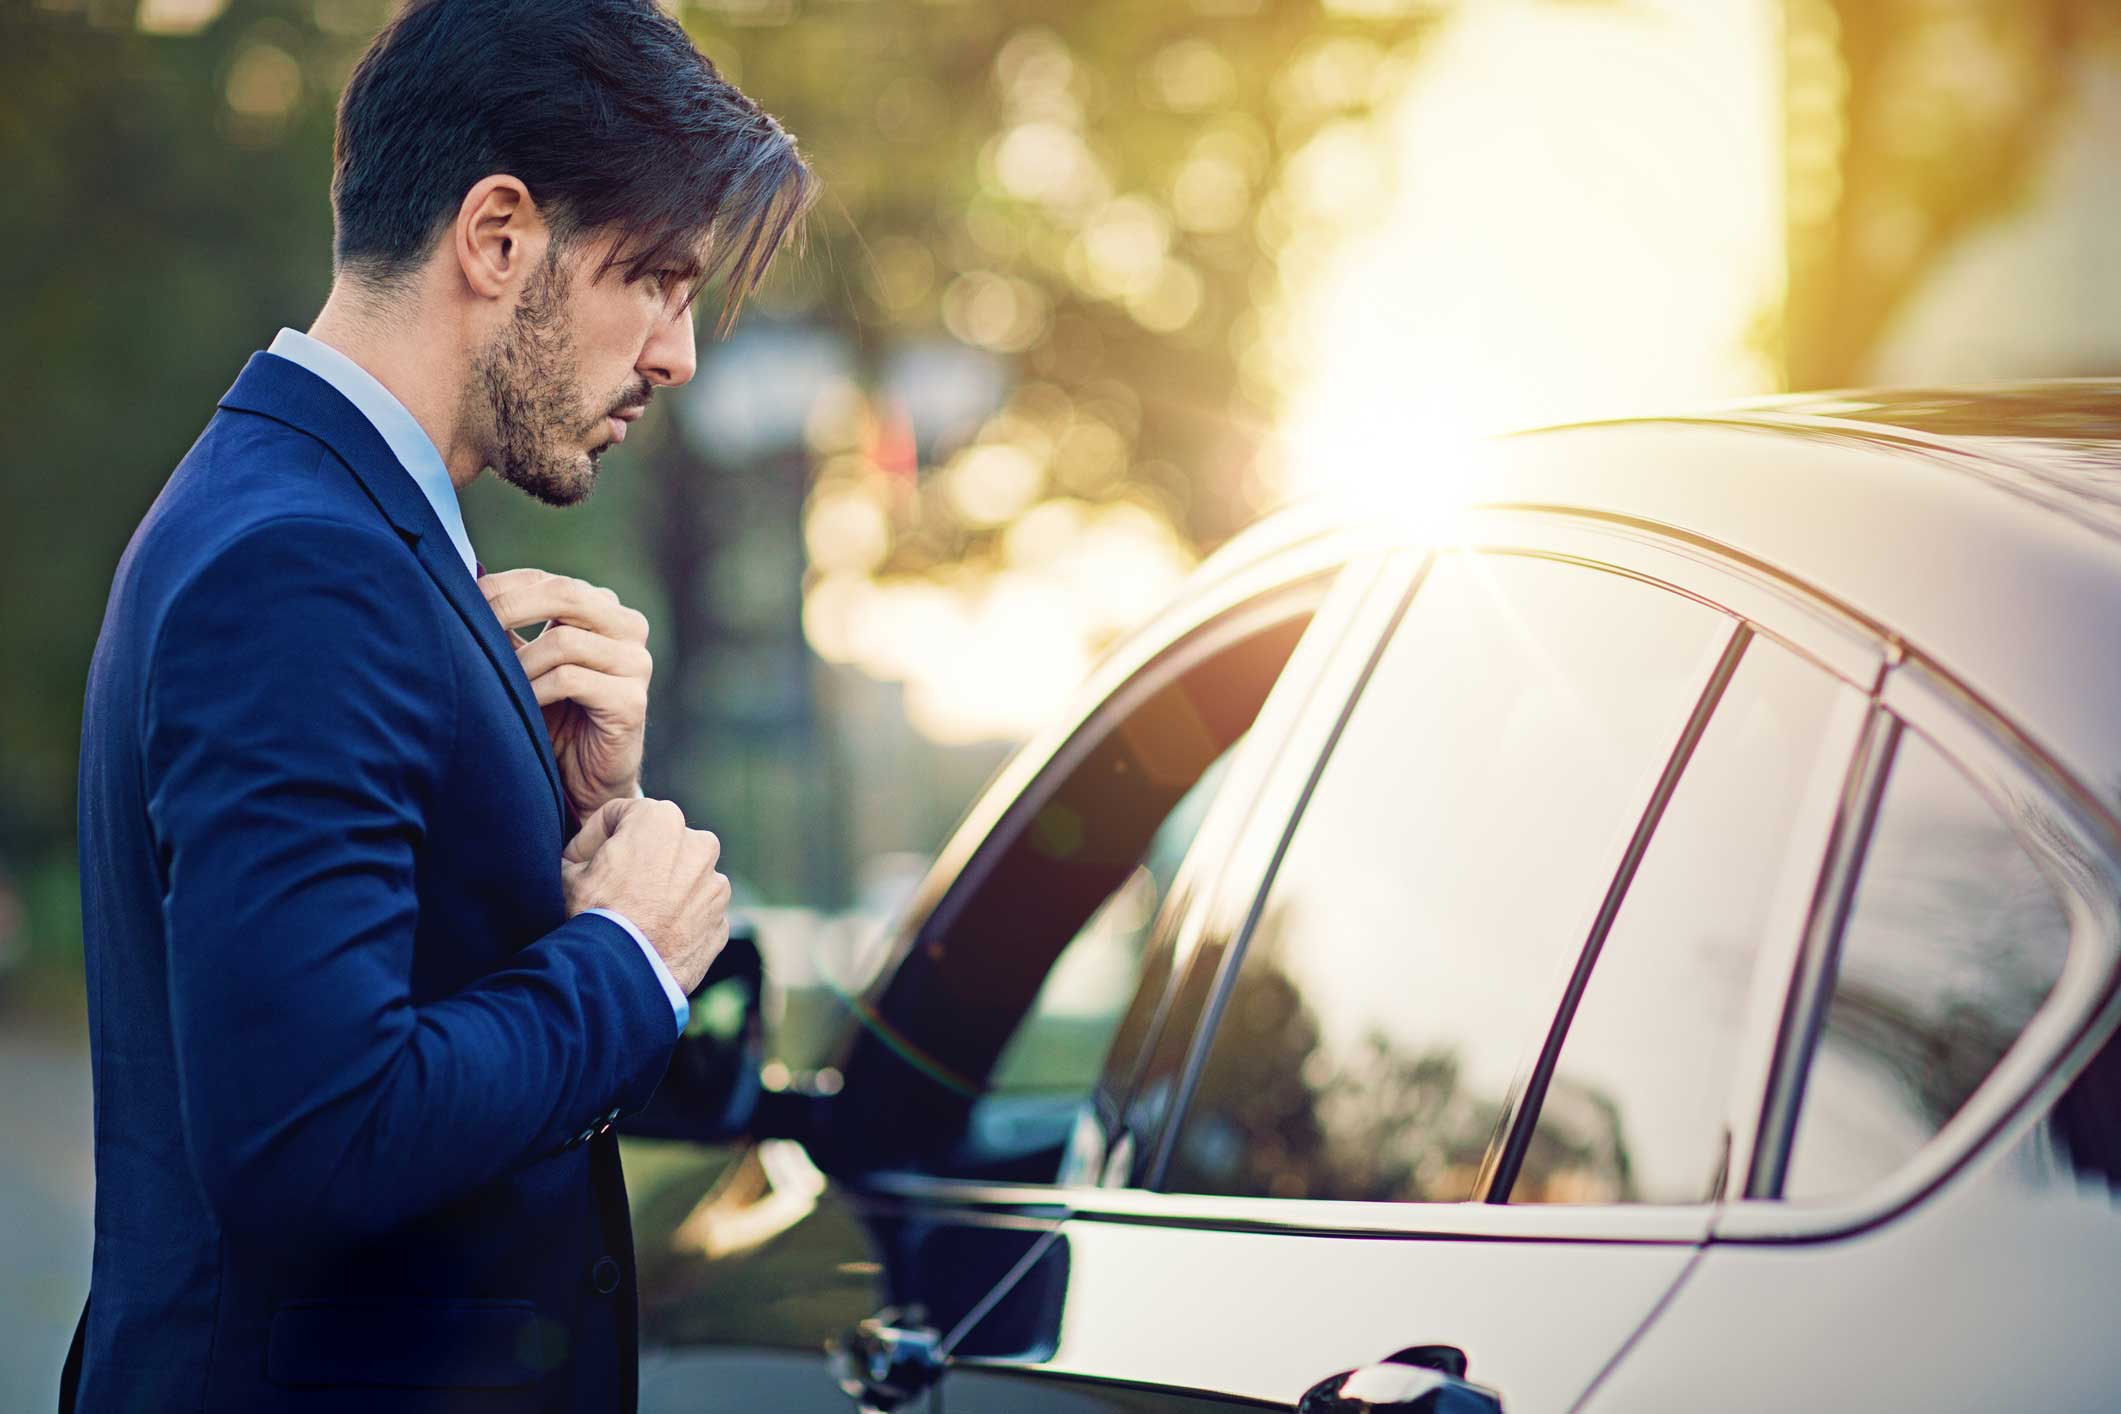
x: 557, y: 485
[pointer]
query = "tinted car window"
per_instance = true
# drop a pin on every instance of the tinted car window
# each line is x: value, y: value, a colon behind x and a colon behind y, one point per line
x: 1062, y: 1042
x: 1441, y: 881
x: 1954, y: 939
x: 980, y: 1056
x: 1638, y: 1109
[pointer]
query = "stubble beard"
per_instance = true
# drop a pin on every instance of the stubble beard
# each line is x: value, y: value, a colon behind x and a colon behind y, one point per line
x: 534, y: 410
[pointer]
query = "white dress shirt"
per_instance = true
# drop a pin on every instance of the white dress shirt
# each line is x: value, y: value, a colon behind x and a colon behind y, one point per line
x: 416, y: 452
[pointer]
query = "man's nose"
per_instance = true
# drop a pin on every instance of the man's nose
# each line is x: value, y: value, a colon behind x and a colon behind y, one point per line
x: 669, y: 358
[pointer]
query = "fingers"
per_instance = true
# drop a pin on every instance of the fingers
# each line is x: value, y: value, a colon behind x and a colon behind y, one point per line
x: 602, y: 694
x: 597, y: 829
x: 647, y: 815
x: 563, y: 644
x: 528, y: 596
x: 640, y: 858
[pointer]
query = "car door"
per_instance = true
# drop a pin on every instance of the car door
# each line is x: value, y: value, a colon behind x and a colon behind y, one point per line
x: 910, y: 1184
x: 1464, y: 1093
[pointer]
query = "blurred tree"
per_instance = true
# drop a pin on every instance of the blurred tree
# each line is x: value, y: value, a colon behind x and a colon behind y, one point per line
x: 1077, y: 193
x: 1912, y: 123
x: 1088, y: 200
x: 1089, y: 193
x: 1099, y: 199
x: 164, y: 211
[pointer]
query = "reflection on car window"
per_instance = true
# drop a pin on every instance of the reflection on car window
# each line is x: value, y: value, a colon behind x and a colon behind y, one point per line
x: 1441, y: 881
x: 1637, y: 1111
x: 1954, y: 940
x: 1009, y: 999
x: 1062, y: 1043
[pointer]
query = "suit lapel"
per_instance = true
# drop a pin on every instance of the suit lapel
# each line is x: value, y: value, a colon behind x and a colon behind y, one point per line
x: 462, y: 591
x: 286, y: 392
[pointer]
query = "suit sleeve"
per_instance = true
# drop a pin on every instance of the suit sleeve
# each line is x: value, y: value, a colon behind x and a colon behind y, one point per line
x: 695, y: 1095
x: 299, y: 714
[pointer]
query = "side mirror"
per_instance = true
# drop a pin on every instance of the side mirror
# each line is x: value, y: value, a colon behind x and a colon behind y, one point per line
x: 714, y: 1091
x: 718, y: 1067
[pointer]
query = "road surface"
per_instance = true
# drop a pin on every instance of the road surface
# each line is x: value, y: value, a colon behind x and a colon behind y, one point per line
x: 47, y: 1187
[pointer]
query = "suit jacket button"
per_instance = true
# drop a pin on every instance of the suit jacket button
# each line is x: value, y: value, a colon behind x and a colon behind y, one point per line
x: 604, y: 1276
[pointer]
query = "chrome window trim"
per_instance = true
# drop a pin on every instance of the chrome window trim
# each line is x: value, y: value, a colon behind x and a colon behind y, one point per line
x: 2065, y: 1032
x: 1615, y: 1222
x: 1882, y: 524
x: 1522, y: 1108
x: 1796, y: 615
x: 1754, y: 1073
x: 1810, y: 978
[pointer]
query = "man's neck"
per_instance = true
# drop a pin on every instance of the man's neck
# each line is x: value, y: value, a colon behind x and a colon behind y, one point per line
x: 424, y: 372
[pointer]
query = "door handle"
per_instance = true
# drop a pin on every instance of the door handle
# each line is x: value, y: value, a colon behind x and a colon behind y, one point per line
x: 1422, y: 1379
x: 881, y: 1365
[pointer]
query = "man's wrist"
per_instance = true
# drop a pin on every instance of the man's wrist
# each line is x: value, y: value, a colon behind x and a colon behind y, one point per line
x: 671, y: 990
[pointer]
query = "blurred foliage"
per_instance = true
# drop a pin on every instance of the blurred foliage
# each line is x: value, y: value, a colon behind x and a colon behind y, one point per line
x: 1080, y: 186
x: 151, y: 238
x: 1074, y: 191
x: 1103, y: 198
x: 1911, y: 123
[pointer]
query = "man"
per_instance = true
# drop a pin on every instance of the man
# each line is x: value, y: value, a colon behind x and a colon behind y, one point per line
x: 381, y: 940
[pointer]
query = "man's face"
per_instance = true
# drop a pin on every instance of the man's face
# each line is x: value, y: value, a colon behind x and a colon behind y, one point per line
x: 578, y: 361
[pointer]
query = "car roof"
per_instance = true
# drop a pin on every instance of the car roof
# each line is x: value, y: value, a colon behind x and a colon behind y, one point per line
x: 2057, y: 442
x: 1980, y: 528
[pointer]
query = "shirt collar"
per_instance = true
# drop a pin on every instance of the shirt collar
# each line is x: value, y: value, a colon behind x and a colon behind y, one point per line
x: 400, y: 430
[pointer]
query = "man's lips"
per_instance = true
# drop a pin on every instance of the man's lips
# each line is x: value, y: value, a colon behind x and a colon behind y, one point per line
x: 616, y: 422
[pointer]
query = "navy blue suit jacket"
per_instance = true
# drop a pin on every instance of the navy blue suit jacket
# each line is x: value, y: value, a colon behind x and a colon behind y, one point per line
x: 347, y: 1042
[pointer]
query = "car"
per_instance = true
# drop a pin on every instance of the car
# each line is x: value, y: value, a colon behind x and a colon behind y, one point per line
x: 1645, y: 938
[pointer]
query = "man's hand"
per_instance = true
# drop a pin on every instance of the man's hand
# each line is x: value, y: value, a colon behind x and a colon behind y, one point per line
x: 590, y: 671
x: 637, y: 858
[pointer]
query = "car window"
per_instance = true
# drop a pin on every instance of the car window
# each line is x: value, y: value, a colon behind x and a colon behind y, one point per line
x: 980, y: 1058
x: 1954, y: 939
x: 1639, y: 1109
x: 1440, y: 882
x: 1062, y: 1042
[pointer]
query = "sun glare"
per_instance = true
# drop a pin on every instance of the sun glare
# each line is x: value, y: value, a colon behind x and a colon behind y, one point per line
x: 1582, y: 217
x: 1535, y: 212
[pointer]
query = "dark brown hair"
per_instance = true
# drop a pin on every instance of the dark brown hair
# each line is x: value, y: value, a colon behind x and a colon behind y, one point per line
x: 602, y: 108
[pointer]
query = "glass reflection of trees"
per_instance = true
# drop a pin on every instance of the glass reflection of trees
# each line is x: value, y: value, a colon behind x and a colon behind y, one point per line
x: 1440, y: 882
x: 1279, y: 1115
x: 1955, y: 939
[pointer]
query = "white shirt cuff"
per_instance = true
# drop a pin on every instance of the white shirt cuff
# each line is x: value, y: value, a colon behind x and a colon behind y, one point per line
x: 671, y: 989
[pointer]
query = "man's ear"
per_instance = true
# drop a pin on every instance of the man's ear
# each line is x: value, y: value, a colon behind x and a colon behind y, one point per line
x: 499, y: 236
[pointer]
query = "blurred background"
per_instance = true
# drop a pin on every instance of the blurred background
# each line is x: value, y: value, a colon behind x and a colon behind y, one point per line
x: 1092, y: 287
